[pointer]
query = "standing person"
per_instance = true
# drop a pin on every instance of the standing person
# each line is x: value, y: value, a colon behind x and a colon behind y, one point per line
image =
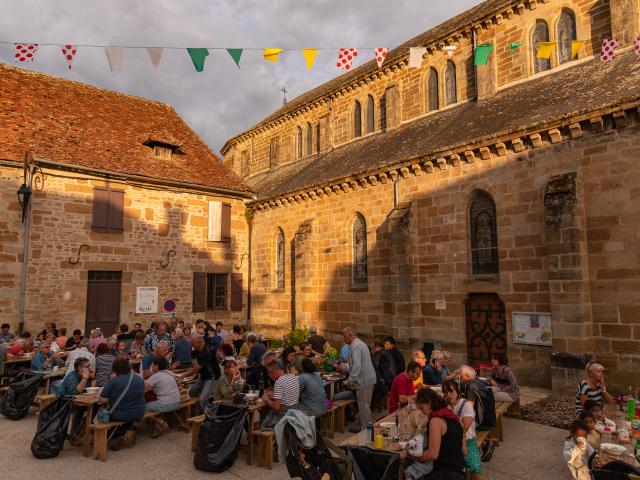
x: 164, y: 385
x: 104, y: 364
x: 256, y: 351
x: 159, y: 335
x: 313, y: 399
x: 402, y: 388
x: 362, y: 376
x: 286, y: 392
x: 73, y: 342
x: 81, y: 352
x: 593, y: 387
x: 207, y: 369
x: 420, y: 358
x: 238, y: 338
x: 383, y: 363
x: 220, y: 331
x: 5, y: 335
x: 124, y: 335
x: 503, y: 380
x: 74, y: 384
x: 182, y: 357
x: 398, y: 358
x: 318, y: 342
x: 137, y: 327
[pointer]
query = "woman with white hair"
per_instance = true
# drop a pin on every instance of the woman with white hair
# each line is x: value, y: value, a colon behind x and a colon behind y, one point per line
x: 593, y: 388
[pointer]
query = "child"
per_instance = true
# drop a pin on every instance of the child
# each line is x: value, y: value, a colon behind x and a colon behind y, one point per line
x: 601, y: 421
x: 593, y: 437
x: 577, y: 451
x: 415, y: 448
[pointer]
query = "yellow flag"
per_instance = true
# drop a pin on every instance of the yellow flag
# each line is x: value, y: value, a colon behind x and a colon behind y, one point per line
x: 271, y: 54
x: 545, y: 49
x: 310, y: 56
x: 576, y: 46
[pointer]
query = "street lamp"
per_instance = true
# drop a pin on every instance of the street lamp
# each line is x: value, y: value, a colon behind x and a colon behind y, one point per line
x: 24, y: 196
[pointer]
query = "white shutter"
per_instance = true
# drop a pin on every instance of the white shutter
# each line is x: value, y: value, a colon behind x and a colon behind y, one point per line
x: 215, y: 221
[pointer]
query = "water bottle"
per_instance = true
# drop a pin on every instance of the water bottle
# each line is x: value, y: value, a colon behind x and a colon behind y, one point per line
x: 370, y: 433
x: 631, y: 406
x: 261, y: 386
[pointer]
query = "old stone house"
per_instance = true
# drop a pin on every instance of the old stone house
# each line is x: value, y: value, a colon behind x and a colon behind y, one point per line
x: 124, y: 195
x: 463, y: 206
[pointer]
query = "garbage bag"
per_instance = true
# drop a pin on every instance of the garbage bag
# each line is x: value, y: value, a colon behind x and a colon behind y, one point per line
x: 369, y: 464
x: 219, y: 439
x: 53, y: 423
x: 313, y: 463
x: 22, y: 391
x: 616, y: 470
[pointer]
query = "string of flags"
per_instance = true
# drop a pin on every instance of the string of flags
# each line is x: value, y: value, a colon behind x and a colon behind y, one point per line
x: 27, y: 52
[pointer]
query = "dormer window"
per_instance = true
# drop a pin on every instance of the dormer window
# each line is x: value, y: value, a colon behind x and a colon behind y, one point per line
x: 162, y: 152
x: 162, y: 149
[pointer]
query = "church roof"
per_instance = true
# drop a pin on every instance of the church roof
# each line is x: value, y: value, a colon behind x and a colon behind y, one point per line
x: 551, y: 100
x: 80, y: 125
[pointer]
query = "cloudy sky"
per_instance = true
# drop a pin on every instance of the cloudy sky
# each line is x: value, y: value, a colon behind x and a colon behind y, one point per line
x: 223, y: 100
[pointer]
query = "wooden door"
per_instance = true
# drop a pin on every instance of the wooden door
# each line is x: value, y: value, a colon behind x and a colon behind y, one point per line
x: 486, y: 327
x: 103, y: 302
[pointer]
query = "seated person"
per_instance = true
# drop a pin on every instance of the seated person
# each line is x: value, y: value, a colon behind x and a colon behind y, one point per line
x: 313, y: 399
x: 131, y: 407
x: 237, y: 338
x: 104, y: 364
x: 287, y: 359
x: 5, y: 335
x: 577, y: 452
x: 74, y: 384
x: 229, y: 383
x: 432, y: 373
x: 402, y: 388
x: 182, y: 353
x: 124, y: 333
x: 286, y: 392
x: 503, y: 381
x: 306, y: 352
x: 602, y: 422
x: 593, y: 435
x: 164, y: 385
x: 261, y: 372
x: 23, y: 345
x: 62, y: 338
x: 137, y: 346
x: 162, y: 350
x: 44, y: 358
x: 73, y: 342
x: 226, y: 352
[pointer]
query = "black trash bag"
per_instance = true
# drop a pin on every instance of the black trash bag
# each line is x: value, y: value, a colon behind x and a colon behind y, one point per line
x: 21, y: 394
x: 369, y: 464
x: 53, y: 423
x: 219, y: 439
x: 616, y: 470
x: 312, y: 463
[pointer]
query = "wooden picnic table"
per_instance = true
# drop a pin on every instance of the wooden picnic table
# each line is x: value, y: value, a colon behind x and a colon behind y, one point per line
x: 87, y: 400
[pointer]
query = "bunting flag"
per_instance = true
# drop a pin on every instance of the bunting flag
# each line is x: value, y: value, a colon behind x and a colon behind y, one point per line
x: 608, y: 51
x: 415, y: 56
x: 450, y: 49
x: 576, y: 46
x: 345, y: 58
x: 69, y: 53
x: 25, y: 52
x: 235, y: 54
x: 198, y: 56
x: 514, y: 46
x: 115, y: 56
x: 637, y: 46
x: 271, y: 54
x: 381, y: 54
x: 309, y: 56
x: 545, y: 49
x: 155, y: 54
x: 482, y: 53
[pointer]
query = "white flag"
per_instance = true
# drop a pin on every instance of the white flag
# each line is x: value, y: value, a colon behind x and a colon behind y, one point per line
x: 155, y: 54
x: 415, y: 56
x: 115, y: 55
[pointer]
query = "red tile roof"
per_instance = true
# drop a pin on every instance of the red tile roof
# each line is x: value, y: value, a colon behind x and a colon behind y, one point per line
x: 73, y: 123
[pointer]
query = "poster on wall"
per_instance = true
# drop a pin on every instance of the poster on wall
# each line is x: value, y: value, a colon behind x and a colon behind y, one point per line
x: 532, y: 328
x: 147, y: 300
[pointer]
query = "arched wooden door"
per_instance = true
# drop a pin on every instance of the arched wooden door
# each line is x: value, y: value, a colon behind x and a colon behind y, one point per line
x: 486, y: 327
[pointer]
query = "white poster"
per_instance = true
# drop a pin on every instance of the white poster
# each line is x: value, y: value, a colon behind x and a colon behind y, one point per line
x: 532, y: 328
x: 147, y: 300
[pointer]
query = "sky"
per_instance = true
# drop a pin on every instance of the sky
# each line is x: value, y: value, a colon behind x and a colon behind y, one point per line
x: 223, y: 100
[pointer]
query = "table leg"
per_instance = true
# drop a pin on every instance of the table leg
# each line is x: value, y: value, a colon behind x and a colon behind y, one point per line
x: 86, y: 439
x: 250, y: 439
x: 331, y: 390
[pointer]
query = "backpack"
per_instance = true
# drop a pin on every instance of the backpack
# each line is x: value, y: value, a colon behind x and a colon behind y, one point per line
x: 484, y: 404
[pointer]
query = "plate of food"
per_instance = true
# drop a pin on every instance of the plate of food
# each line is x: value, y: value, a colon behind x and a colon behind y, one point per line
x: 613, y: 449
x: 92, y: 390
x: 387, y: 425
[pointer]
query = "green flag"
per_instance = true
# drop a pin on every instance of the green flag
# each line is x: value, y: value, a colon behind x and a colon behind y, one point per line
x: 514, y: 46
x: 235, y: 53
x: 482, y: 54
x: 197, y: 57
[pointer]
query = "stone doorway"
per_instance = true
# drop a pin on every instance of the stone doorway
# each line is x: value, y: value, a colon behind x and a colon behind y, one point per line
x: 103, y: 302
x: 486, y: 327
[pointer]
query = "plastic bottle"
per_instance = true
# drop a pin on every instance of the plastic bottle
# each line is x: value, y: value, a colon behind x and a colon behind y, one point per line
x: 631, y: 405
x: 606, y: 435
x: 370, y: 433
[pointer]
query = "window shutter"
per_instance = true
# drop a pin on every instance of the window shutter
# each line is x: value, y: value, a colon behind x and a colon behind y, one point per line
x: 215, y: 221
x: 236, y: 292
x: 225, y: 224
x: 199, y: 291
x: 116, y: 211
x: 100, y: 222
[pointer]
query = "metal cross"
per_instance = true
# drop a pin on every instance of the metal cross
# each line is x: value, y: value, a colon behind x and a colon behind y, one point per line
x: 284, y: 95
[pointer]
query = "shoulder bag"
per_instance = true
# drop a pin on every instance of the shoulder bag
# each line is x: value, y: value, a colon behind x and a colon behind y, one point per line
x: 104, y: 414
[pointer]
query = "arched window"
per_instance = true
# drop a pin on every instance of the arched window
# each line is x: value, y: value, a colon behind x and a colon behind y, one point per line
x: 359, y: 265
x: 432, y: 88
x: 280, y: 259
x: 383, y: 112
x: 273, y: 152
x: 450, y: 84
x: 318, y: 137
x: 357, y: 120
x: 299, y: 142
x: 540, y: 33
x: 244, y: 163
x: 484, y: 235
x: 566, y: 35
x: 371, y: 107
x: 309, y: 139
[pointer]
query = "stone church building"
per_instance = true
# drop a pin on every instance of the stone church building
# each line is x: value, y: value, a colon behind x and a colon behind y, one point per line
x: 477, y: 209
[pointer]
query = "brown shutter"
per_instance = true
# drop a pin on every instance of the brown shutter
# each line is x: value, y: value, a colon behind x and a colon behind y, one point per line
x: 226, y: 222
x: 116, y: 211
x: 199, y: 291
x: 100, y: 222
x: 236, y: 292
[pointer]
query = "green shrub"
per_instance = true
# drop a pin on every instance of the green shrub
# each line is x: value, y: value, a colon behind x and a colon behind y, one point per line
x: 296, y: 337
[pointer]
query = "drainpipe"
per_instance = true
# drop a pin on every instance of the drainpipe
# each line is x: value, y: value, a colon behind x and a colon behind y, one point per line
x: 475, y: 67
x: 25, y: 266
x: 249, y: 216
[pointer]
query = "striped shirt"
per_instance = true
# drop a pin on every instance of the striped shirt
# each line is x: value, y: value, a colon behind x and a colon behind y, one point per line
x: 594, y: 394
x: 287, y: 390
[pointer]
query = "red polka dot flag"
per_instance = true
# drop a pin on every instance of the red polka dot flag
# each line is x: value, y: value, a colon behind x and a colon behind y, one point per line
x: 69, y: 53
x: 25, y: 52
x: 608, y: 51
x: 381, y: 54
x: 345, y: 58
x: 637, y: 46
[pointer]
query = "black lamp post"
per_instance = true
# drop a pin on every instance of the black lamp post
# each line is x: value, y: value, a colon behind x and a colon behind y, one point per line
x: 24, y: 196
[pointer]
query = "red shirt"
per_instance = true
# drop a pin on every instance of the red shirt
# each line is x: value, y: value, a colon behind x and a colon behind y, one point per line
x: 402, y: 385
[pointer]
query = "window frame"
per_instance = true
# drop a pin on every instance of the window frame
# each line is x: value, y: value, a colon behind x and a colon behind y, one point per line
x: 449, y: 69
x: 433, y: 74
x: 371, y: 114
x: 482, y: 203
x: 114, y: 196
x: 571, y: 14
x: 274, y: 148
x: 280, y: 262
x: 299, y: 143
x: 357, y: 119
x: 214, y: 282
x: 318, y: 144
x: 359, y: 276
x: 309, y: 149
x: 534, y: 44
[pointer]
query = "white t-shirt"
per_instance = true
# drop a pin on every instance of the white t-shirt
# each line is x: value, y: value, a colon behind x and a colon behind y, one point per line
x: 165, y: 387
x: 466, y: 410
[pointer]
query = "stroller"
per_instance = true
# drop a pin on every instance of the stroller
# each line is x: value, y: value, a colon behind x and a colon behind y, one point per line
x: 616, y: 470
x: 369, y: 464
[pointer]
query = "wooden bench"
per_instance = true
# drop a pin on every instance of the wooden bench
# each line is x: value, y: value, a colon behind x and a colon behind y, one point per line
x: 195, y: 423
x: 44, y: 401
x: 266, y: 440
x: 100, y: 435
x: 338, y: 414
x: 514, y: 409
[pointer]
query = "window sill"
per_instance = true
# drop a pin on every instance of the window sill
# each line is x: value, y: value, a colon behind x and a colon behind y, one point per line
x: 278, y: 290
x: 483, y: 278
x: 358, y: 288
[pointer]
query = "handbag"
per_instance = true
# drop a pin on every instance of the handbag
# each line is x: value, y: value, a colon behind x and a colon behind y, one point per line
x: 104, y: 414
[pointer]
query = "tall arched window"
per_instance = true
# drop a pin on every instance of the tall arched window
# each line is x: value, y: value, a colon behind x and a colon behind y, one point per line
x: 450, y: 84
x: 540, y: 33
x: 357, y: 119
x: 484, y: 235
x: 299, y: 142
x: 383, y: 112
x: 371, y: 107
x: 280, y: 259
x: 359, y: 265
x: 566, y: 35
x: 433, y: 90
x: 273, y: 152
x: 318, y: 137
x: 309, y: 139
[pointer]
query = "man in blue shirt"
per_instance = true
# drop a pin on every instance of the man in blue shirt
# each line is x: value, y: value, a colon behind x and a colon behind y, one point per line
x: 162, y: 350
x: 182, y: 357
x: 5, y: 335
x: 44, y: 358
x: 256, y: 351
x: 73, y: 384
